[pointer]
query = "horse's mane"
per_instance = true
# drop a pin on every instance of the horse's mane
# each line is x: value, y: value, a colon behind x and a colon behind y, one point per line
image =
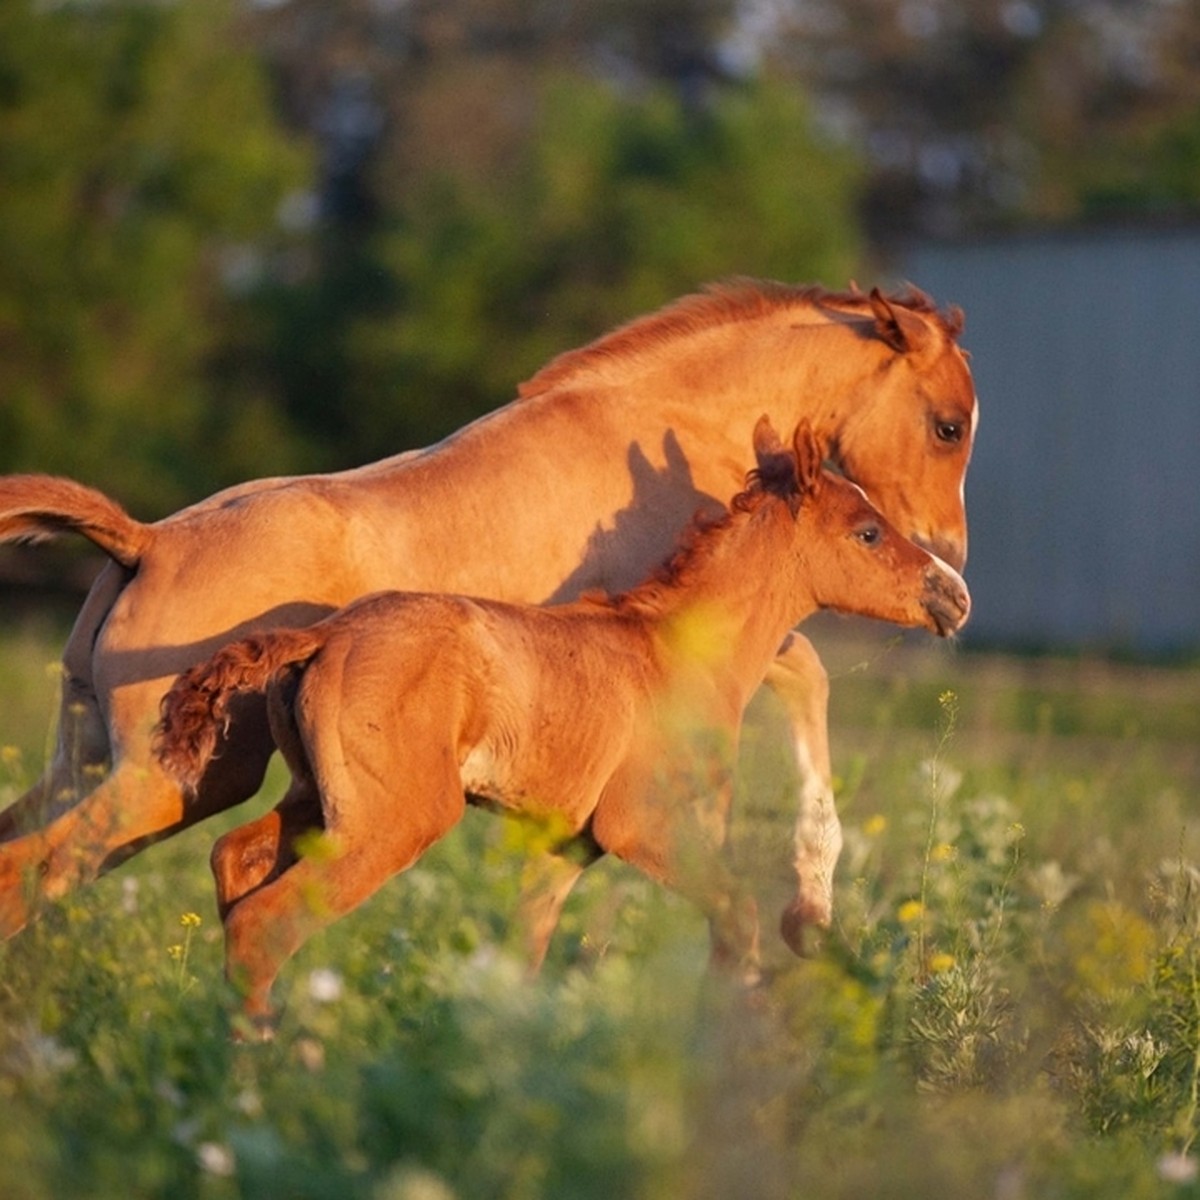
x: 698, y: 543
x: 722, y: 303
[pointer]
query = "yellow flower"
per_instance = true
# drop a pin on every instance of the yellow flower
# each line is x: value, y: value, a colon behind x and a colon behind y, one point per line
x: 910, y: 912
x: 942, y: 852
x: 940, y: 963
x: 190, y: 920
x: 874, y: 826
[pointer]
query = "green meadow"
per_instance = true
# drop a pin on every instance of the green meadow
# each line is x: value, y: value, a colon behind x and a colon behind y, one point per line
x: 1008, y: 1006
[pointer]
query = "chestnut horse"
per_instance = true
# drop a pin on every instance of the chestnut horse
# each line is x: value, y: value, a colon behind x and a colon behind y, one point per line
x: 603, y: 717
x: 641, y: 429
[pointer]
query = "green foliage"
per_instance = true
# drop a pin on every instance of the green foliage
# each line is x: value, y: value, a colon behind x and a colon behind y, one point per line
x: 138, y: 157
x: 1009, y: 1003
x: 616, y: 203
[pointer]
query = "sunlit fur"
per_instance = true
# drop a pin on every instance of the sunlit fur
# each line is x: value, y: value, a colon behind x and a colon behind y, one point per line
x: 613, y: 721
x: 583, y: 482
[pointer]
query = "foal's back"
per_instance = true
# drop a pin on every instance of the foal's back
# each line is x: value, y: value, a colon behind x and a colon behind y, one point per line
x: 535, y: 706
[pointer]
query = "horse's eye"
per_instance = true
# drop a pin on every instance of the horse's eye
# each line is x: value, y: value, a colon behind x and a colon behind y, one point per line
x: 869, y: 535
x: 950, y: 432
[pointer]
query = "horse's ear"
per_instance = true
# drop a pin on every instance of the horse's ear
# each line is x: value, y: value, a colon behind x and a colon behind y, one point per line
x: 887, y: 324
x: 810, y: 458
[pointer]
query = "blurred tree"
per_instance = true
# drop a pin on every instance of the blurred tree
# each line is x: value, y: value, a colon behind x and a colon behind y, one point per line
x: 976, y: 113
x: 620, y: 199
x: 141, y: 171
x: 503, y: 180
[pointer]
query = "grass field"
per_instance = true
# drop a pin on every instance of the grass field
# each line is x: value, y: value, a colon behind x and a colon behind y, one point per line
x: 1009, y: 1006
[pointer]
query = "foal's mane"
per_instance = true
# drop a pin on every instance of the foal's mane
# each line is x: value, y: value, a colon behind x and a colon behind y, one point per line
x: 698, y: 543
x: 723, y: 303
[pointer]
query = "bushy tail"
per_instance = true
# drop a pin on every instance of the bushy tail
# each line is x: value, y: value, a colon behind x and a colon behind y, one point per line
x: 195, y: 712
x: 36, y: 507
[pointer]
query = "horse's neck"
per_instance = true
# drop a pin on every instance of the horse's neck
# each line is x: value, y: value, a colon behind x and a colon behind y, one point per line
x: 736, y: 602
x: 697, y: 395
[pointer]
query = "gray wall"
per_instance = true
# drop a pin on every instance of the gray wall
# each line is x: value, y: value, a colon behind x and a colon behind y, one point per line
x: 1084, y: 491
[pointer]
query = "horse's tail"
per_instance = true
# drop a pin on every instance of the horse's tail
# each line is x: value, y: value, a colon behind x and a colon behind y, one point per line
x: 36, y: 507
x: 195, y: 712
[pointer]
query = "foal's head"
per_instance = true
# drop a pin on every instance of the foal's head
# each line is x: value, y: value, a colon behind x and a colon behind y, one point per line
x: 854, y: 559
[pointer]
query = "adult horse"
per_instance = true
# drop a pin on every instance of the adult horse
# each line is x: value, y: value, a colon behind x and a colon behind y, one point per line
x: 612, y: 719
x: 644, y: 426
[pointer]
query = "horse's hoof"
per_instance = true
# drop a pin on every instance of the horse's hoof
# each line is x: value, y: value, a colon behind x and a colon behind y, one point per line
x: 801, y: 928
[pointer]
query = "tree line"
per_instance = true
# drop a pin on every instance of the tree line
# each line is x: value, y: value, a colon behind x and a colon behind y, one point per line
x: 239, y: 239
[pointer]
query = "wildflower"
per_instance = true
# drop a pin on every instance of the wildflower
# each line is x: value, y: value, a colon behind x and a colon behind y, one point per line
x: 942, y: 852
x: 408, y: 1182
x: 910, y: 912
x: 215, y: 1158
x: 10, y: 756
x: 940, y: 963
x: 873, y: 826
x: 310, y: 1053
x: 190, y: 920
x: 1177, y: 1168
x: 324, y: 985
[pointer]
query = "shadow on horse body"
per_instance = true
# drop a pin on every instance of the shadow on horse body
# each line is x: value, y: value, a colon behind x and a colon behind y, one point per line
x: 583, y: 482
x: 614, y: 719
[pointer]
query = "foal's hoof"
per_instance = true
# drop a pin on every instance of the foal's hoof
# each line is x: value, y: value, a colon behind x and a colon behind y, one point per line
x: 253, y: 1029
x: 801, y: 927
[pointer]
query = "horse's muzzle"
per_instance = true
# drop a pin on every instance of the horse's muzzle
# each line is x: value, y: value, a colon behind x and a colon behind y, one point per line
x: 946, y: 600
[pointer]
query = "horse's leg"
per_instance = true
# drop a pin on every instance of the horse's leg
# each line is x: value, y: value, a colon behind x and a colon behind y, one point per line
x: 800, y: 681
x: 371, y: 838
x: 79, y: 763
x: 135, y: 806
x: 82, y: 748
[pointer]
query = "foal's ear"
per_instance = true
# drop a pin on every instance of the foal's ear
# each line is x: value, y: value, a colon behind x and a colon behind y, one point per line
x: 810, y: 458
x: 775, y: 465
x: 887, y: 324
x: 766, y: 441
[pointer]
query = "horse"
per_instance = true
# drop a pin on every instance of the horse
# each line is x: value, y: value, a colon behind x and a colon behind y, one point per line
x: 601, y: 718
x: 644, y: 427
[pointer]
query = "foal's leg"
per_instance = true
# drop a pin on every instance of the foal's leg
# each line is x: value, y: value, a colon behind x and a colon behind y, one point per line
x: 685, y: 852
x: 372, y: 838
x: 546, y: 882
x: 253, y: 854
x: 800, y: 681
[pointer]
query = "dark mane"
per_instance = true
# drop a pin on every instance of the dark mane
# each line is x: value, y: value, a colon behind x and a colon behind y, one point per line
x: 721, y: 304
x: 700, y: 540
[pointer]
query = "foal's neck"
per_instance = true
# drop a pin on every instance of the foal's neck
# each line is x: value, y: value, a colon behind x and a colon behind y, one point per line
x: 738, y: 597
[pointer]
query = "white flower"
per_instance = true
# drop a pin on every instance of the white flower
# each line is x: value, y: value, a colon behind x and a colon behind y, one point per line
x: 325, y: 985
x: 215, y: 1158
x: 1177, y: 1168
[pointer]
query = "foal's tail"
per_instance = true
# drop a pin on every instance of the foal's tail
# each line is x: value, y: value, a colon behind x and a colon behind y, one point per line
x: 195, y: 712
x: 36, y: 507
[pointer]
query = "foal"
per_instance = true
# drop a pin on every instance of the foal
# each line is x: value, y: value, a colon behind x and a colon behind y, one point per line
x: 606, y: 716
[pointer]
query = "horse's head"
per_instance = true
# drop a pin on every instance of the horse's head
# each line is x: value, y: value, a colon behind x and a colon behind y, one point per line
x: 908, y: 442
x: 855, y: 559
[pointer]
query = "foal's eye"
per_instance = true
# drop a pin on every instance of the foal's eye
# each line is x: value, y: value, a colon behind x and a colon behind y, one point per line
x: 950, y: 432
x: 869, y: 535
